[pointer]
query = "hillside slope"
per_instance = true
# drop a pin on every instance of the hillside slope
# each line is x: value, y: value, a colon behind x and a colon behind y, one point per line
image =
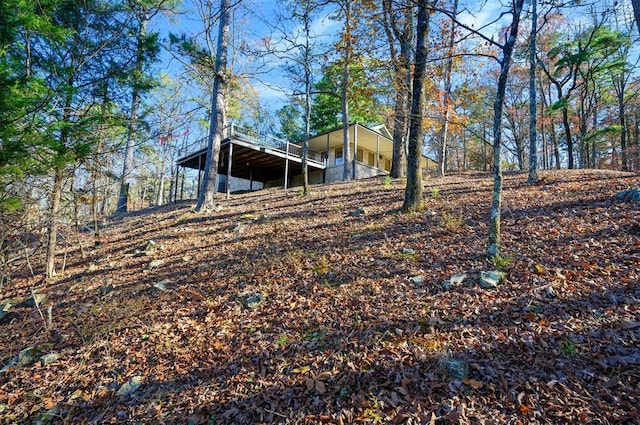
x: 335, y: 308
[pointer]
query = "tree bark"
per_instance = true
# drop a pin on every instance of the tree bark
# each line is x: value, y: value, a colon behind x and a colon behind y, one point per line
x: 56, y: 197
x: 346, y: 155
x: 442, y: 149
x: 413, y: 190
x: 533, y: 106
x: 496, y: 197
x: 636, y: 12
x: 403, y: 34
x: 127, y: 167
x: 218, y: 111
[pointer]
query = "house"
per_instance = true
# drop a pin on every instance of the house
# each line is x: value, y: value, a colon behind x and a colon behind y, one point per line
x: 250, y: 161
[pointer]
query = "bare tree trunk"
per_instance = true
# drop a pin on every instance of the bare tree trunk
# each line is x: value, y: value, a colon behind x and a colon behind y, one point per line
x: 496, y: 197
x: 127, y: 167
x: 307, y: 98
x: 402, y: 32
x: 636, y: 12
x: 218, y: 110
x: 533, y: 107
x: 442, y: 148
x: 346, y: 175
x: 413, y: 190
x: 56, y: 197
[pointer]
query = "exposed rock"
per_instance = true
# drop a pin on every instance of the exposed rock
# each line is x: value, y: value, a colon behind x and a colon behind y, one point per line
x: 106, y: 289
x: 358, y: 212
x: 408, y: 251
x: 130, y: 386
x: 150, y: 247
x: 217, y: 208
x: 27, y: 356
x: 630, y: 195
x: 490, y: 280
x: 250, y: 300
x: 254, y: 300
x: 455, y: 280
x: 459, y: 369
x: 49, y: 358
x: 417, y: 280
x: 161, y: 286
x: 154, y: 264
x: 36, y: 299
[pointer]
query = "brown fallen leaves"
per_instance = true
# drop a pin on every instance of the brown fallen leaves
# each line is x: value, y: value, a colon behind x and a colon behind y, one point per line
x: 342, y: 333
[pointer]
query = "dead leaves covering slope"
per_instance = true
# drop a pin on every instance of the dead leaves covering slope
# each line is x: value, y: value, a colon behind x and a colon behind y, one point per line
x: 287, y: 309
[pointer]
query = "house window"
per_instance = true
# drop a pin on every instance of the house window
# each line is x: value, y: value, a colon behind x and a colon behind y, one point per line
x: 360, y: 155
x: 387, y: 164
x: 372, y: 159
x: 339, y: 159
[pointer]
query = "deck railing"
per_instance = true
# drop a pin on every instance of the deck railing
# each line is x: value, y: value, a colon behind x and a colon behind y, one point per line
x: 255, y: 138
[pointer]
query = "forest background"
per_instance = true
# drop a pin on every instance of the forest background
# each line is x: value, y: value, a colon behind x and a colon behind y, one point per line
x: 99, y: 97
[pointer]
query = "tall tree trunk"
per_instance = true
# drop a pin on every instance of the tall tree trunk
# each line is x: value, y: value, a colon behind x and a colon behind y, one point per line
x: 127, y: 167
x: 218, y: 110
x: 413, y: 190
x: 56, y: 197
x: 307, y: 98
x: 402, y: 32
x: 346, y: 175
x: 623, y: 134
x: 568, y: 137
x: 636, y: 12
x: 442, y: 148
x: 533, y: 106
x: 498, y: 105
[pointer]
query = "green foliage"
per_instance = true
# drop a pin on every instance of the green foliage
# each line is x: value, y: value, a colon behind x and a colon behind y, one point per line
x: 291, y: 126
x: 387, y: 181
x: 435, y: 192
x: 501, y: 261
x: 568, y: 349
x: 326, y: 109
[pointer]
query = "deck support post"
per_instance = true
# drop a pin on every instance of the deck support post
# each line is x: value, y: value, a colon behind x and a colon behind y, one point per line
x: 378, y: 152
x: 286, y: 167
x: 175, y: 185
x: 229, y: 169
x: 355, y: 151
x: 250, y: 179
x: 199, y: 174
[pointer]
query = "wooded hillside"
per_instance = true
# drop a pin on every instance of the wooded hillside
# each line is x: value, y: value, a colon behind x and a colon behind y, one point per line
x: 336, y: 308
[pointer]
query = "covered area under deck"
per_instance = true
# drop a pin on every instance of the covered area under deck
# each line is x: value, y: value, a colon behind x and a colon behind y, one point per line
x: 246, y: 155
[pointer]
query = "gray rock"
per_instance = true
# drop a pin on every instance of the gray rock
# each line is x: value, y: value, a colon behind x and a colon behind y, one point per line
x: 154, y: 264
x: 37, y: 299
x: 254, y: 300
x: 491, y: 279
x: 455, y: 280
x: 130, y: 386
x: 631, y: 195
x: 217, y: 208
x: 161, y: 286
x: 49, y: 358
x: 417, y: 280
x: 27, y: 356
x: 459, y: 369
x: 358, y: 212
x: 150, y: 247
x: 106, y: 289
x: 408, y: 251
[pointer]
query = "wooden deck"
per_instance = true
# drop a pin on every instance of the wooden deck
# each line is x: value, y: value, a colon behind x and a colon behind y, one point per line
x: 253, y: 156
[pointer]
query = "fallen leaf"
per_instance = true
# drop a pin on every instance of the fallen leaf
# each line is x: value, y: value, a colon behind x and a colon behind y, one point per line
x: 472, y: 383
